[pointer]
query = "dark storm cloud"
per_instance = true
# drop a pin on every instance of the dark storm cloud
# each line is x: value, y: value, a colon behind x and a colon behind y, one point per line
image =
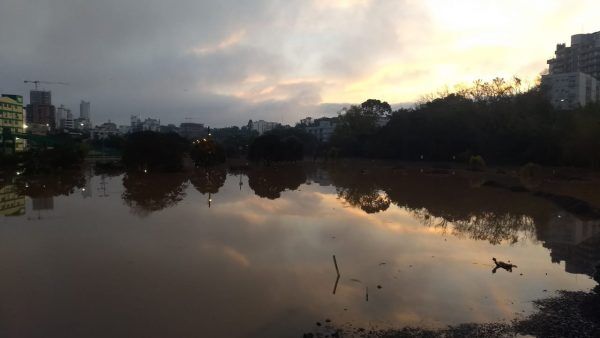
x: 131, y: 56
x: 224, y: 62
x: 187, y: 58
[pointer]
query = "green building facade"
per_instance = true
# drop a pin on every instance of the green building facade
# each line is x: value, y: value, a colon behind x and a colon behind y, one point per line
x: 12, y: 203
x: 12, y: 123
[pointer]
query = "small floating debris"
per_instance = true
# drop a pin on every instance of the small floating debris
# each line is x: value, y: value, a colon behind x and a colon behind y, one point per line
x: 355, y: 280
x: 379, y: 286
x: 382, y: 263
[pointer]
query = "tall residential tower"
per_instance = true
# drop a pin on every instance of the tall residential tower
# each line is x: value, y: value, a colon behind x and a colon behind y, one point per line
x: 40, y: 110
x: 582, y: 56
x: 84, y: 110
x: 574, y: 73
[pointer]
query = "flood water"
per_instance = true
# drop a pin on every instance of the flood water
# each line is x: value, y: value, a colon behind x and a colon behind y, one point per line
x: 249, y: 253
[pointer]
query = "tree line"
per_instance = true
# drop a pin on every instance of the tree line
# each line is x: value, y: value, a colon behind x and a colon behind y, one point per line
x: 497, y: 120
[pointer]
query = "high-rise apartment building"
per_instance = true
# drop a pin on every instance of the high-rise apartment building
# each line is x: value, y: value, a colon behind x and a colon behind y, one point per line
x: 571, y: 90
x: 40, y: 110
x: 64, y: 118
x: 262, y: 126
x: 192, y: 131
x: 40, y: 97
x: 582, y: 56
x: 84, y: 110
x: 574, y: 73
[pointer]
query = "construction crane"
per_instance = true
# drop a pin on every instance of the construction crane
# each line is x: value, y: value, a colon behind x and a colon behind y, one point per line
x: 37, y: 82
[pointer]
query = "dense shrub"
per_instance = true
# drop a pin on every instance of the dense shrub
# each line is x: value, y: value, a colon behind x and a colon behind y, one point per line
x: 477, y: 163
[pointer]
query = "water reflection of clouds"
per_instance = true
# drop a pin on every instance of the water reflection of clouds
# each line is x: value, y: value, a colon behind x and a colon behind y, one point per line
x: 257, y: 266
x: 357, y: 227
x: 231, y: 253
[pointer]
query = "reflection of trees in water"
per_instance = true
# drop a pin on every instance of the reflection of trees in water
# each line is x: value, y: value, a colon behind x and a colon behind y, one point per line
x: 485, y: 226
x: 269, y: 182
x: 110, y: 169
x: 496, y: 228
x: 425, y: 218
x: 446, y: 202
x: 371, y: 201
x: 147, y: 193
x: 359, y: 190
x: 55, y: 185
x: 208, y: 180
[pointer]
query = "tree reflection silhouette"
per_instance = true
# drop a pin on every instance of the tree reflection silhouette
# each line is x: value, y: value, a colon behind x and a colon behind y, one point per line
x: 445, y: 202
x: 371, y: 202
x: 360, y: 190
x: 55, y: 185
x: 108, y: 169
x: 208, y: 180
x: 270, y: 181
x: 488, y: 226
x: 147, y: 193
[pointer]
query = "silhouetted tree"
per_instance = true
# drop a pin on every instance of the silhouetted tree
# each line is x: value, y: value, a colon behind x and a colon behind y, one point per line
x: 266, y: 148
x: 206, y: 152
x: 376, y: 108
x: 235, y: 141
x: 154, y: 151
x: 271, y: 147
x: 355, y: 129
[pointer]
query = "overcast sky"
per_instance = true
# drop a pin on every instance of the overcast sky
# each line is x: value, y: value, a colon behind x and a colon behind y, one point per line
x: 224, y: 62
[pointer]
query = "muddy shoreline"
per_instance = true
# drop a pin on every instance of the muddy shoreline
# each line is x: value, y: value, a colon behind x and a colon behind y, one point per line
x: 568, y: 314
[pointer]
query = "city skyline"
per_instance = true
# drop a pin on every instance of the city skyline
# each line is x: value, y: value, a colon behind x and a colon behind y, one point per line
x: 223, y: 64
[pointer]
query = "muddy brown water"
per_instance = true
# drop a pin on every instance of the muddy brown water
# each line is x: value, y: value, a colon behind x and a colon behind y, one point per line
x: 221, y: 253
